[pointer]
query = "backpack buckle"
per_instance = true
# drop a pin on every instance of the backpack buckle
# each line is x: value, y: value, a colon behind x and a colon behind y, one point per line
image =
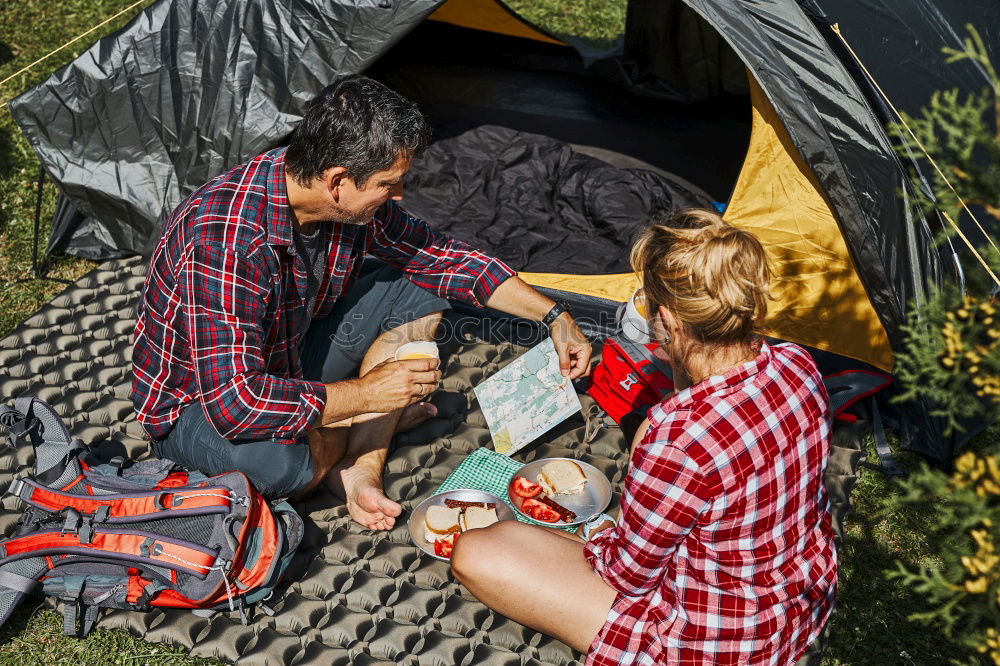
x: 15, y: 487
x: 72, y: 521
x: 630, y: 380
x: 18, y: 429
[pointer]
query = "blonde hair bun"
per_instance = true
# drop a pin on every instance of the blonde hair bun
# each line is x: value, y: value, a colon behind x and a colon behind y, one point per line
x: 712, y: 276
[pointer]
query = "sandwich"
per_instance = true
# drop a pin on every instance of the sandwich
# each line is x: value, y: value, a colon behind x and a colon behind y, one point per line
x: 476, y: 517
x: 441, y: 522
x: 561, y: 477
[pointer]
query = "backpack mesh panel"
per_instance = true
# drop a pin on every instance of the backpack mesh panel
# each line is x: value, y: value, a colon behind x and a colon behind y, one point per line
x: 96, y: 490
x: 52, y: 455
x: 8, y: 601
x: 182, y: 580
x: 30, y: 567
x: 196, y: 529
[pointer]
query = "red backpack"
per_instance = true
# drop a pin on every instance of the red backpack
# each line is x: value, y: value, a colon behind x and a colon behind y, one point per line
x: 629, y: 378
x: 135, y: 535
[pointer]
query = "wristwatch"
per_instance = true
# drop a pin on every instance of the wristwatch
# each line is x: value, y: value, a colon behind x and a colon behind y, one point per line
x: 588, y: 527
x: 557, y: 309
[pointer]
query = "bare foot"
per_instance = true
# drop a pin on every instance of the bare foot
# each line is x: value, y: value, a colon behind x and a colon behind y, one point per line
x: 365, y: 499
x: 414, y: 415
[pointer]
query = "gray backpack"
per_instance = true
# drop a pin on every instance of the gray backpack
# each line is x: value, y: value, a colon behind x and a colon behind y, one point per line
x: 135, y: 535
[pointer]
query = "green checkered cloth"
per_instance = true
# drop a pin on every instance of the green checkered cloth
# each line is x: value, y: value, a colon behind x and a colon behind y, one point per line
x: 489, y: 472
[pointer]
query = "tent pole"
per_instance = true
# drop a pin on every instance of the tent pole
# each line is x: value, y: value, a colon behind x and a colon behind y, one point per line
x: 38, y: 223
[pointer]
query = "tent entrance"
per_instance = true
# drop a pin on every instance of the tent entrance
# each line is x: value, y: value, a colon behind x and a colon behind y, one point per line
x: 468, y: 78
x: 467, y: 81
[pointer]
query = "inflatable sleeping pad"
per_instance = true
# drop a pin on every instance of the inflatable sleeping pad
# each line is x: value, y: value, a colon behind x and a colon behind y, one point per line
x: 351, y: 596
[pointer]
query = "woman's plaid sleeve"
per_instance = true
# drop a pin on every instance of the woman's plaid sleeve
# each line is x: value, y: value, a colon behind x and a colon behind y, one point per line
x: 665, y: 493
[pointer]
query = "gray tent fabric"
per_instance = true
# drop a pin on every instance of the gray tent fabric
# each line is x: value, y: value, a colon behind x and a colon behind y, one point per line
x: 187, y: 90
x: 352, y: 596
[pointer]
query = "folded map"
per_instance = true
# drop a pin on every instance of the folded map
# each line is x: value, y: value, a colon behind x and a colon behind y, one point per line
x: 526, y: 398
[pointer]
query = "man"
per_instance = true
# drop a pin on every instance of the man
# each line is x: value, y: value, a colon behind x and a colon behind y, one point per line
x: 262, y: 344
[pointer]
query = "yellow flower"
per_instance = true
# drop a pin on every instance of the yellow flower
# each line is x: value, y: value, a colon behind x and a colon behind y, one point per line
x: 993, y: 467
x: 965, y: 462
x: 977, y: 586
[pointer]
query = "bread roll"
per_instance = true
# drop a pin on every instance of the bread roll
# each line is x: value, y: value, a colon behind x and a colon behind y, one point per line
x: 440, y: 521
x: 561, y: 477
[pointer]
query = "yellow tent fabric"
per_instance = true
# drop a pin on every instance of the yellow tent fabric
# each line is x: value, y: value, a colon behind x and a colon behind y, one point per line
x: 819, y: 298
x: 487, y: 15
x: 615, y: 287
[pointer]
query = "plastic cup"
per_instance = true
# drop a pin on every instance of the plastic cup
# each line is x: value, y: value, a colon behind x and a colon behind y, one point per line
x: 635, y: 326
x: 418, y: 349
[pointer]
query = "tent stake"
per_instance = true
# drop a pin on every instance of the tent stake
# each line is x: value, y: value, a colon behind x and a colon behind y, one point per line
x: 38, y: 222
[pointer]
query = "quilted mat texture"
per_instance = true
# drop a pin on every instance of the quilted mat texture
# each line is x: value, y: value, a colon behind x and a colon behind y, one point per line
x: 353, y: 596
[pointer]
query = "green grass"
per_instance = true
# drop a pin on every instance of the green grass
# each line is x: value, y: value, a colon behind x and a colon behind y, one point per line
x: 870, y: 625
x: 597, y: 22
x: 35, y: 636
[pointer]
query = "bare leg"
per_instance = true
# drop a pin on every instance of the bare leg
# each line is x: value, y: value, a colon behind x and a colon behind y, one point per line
x: 508, y: 567
x: 327, y: 447
x: 358, y: 476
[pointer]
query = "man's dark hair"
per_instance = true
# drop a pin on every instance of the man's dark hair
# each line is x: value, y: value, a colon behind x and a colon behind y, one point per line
x: 356, y: 123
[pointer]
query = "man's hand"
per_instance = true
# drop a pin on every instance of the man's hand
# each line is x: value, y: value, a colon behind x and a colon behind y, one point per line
x: 514, y: 296
x: 393, y: 385
x: 572, y: 346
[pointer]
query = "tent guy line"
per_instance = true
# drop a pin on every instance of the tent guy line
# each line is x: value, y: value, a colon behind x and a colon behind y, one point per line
x: 60, y: 48
x: 902, y: 121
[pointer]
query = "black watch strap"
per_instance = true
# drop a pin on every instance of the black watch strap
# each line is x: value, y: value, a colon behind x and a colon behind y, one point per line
x: 557, y: 309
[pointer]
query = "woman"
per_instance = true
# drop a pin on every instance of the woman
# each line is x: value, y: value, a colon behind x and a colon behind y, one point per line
x: 723, y: 551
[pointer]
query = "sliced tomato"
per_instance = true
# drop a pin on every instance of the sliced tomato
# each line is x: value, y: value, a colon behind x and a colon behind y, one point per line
x: 522, y: 487
x: 443, y: 547
x: 545, y: 514
x: 528, y: 504
x: 539, y: 511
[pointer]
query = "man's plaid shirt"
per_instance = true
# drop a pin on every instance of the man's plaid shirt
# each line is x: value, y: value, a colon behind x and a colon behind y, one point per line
x: 222, y: 312
x: 724, y: 550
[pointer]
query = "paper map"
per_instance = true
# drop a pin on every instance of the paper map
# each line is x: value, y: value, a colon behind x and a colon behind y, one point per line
x: 527, y: 398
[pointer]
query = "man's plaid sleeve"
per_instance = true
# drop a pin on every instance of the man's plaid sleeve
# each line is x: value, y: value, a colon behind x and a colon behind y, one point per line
x: 444, y: 265
x: 224, y: 297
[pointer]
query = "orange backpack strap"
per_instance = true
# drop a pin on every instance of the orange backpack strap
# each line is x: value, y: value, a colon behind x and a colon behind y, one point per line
x: 125, y: 545
x: 130, y: 507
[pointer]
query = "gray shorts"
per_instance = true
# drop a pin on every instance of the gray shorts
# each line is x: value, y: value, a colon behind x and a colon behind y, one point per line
x: 382, y: 299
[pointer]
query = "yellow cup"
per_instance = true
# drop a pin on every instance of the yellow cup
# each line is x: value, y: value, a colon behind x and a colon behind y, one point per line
x: 415, y: 350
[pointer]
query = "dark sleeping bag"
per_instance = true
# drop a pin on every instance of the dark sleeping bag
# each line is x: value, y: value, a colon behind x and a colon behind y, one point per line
x: 535, y: 203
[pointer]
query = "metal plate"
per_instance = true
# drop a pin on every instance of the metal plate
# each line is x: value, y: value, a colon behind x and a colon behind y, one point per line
x: 416, y: 521
x: 590, y: 502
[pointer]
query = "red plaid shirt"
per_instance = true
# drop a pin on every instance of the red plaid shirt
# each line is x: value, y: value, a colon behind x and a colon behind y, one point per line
x: 724, y: 550
x: 223, y: 309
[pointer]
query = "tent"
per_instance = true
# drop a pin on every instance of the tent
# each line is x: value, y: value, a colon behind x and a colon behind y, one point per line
x: 758, y: 104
